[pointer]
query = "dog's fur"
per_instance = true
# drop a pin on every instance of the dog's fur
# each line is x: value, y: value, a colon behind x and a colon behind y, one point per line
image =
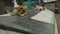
x: 37, y: 7
x: 20, y: 9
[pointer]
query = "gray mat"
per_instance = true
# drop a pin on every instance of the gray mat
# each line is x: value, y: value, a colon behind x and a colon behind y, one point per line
x: 36, y: 27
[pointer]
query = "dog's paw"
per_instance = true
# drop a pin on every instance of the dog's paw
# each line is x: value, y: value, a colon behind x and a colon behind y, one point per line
x: 12, y: 14
x: 22, y: 15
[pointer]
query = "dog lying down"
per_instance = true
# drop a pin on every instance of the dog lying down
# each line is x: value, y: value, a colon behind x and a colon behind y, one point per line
x: 37, y: 7
x: 21, y: 11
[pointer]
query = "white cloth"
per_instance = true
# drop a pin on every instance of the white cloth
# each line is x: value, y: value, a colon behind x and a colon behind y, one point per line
x: 45, y: 16
x: 15, y: 3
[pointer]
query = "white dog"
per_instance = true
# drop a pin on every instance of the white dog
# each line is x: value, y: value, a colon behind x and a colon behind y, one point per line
x: 38, y: 7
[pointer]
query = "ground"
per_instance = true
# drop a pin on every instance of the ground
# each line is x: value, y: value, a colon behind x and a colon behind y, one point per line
x: 27, y: 24
x: 30, y: 25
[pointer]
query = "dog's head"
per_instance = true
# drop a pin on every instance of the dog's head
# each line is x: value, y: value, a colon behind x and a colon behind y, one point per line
x: 20, y: 8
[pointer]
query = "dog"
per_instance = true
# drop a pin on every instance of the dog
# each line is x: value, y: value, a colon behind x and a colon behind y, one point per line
x: 21, y: 11
x: 37, y: 7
